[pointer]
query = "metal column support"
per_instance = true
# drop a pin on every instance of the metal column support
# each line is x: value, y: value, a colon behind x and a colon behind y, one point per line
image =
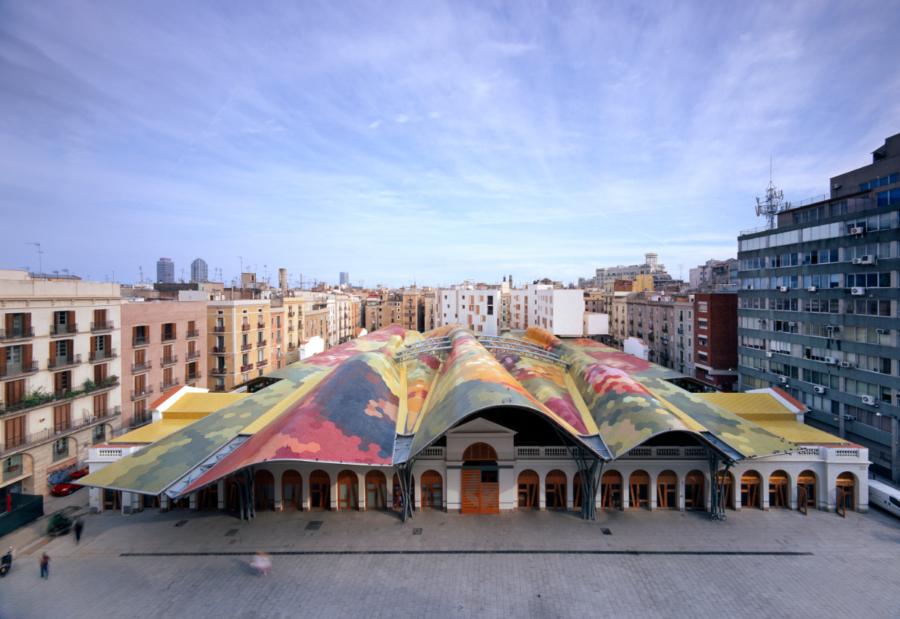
x: 404, y: 477
x: 590, y: 477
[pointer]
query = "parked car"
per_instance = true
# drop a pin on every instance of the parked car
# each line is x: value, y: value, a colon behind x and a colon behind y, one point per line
x: 68, y: 485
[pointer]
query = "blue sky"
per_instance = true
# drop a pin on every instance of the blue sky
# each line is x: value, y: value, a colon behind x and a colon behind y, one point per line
x: 435, y: 141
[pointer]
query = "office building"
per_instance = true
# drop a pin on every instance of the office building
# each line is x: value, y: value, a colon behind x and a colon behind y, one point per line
x: 199, y: 271
x: 165, y: 271
x: 345, y: 278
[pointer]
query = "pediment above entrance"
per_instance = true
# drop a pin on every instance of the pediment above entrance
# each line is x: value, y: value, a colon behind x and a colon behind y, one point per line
x: 481, y: 426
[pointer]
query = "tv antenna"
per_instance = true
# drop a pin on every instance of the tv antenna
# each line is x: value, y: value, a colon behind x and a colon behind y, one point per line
x: 772, y: 203
x: 40, y: 263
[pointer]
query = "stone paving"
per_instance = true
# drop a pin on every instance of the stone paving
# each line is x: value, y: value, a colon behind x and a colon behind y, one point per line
x: 839, y: 567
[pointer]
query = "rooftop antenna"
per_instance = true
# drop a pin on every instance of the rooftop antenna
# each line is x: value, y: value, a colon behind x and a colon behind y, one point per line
x: 680, y: 269
x: 772, y: 203
x: 141, y: 272
x: 40, y: 263
x: 241, y: 258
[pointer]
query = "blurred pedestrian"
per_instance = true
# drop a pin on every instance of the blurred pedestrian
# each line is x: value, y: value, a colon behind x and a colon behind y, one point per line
x: 78, y: 528
x: 262, y: 564
x: 45, y: 566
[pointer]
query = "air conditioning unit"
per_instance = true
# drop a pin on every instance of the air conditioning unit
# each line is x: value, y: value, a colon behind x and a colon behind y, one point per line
x: 857, y: 230
x: 812, y: 289
x: 819, y: 390
x: 881, y: 331
x: 792, y: 324
x: 783, y: 288
x: 783, y: 380
x: 846, y: 364
x: 831, y: 360
x: 859, y: 292
x: 870, y: 400
x: 868, y: 260
x: 770, y: 354
x: 831, y: 328
x: 857, y: 261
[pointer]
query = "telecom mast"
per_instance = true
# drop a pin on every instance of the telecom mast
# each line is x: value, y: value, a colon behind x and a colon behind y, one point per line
x: 773, y: 202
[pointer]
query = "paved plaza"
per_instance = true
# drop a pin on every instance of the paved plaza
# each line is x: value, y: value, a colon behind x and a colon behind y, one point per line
x: 526, y: 564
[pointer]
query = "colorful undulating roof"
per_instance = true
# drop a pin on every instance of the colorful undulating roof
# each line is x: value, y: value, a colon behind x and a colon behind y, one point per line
x: 358, y: 402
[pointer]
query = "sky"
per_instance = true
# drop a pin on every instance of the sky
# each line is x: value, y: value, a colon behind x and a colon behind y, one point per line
x: 424, y: 142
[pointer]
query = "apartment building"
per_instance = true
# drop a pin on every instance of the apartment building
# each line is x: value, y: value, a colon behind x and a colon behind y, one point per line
x: 276, y: 335
x: 238, y: 346
x: 427, y: 311
x: 561, y: 312
x: 59, y: 376
x: 650, y: 266
x: 409, y: 308
x: 818, y: 306
x: 292, y: 309
x: 163, y: 346
x: 715, y: 326
x: 315, y: 323
x: 664, y: 324
x: 476, y: 309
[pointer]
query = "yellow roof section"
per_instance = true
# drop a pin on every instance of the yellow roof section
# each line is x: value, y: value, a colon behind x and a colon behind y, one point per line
x: 746, y: 403
x: 152, y: 432
x: 202, y: 403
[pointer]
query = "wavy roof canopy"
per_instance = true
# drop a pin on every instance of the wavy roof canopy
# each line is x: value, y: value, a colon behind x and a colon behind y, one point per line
x: 358, y: 402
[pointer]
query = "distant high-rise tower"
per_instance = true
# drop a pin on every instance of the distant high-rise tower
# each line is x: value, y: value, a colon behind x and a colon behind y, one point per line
x: 199, y: 271
x: 345, y: 278
x: 165, y: 271
x: 282, y: 280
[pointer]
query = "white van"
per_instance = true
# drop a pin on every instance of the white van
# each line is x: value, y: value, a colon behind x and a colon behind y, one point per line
x: 884, y: 497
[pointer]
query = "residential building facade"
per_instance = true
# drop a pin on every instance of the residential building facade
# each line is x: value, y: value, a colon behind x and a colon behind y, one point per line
x: 238, y: 342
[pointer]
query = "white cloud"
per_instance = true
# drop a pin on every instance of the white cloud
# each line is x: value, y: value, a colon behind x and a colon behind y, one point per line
x: 401, y: 118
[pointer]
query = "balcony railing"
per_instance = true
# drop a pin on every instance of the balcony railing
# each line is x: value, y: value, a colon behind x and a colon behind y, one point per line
x: 102, y: 355
x: 278, y: 340
x: 261, y: 343
x: 219, y: 371
x: 219, y: 388
x: 245, y: 347
x: 141, y: 367
x: 19, y: 443
x: 140, y: 341
x: 141, y: 418
x: 56, y: 330
x: 35, y: 401
x: 290, y: 314
x: 169, y: 337
x: 18, y: 369
x: 219, y: 329
x: 246, y: 368
x: 192, y: 377
x: 55, y: 363
x: 262, y: 363
x: 168, y: 360
x: 103, y: 325
x: 16, y: 334
x: 245, y: 327
x: 140, y: 393
x: 260, y: 325
x: 166, y: 385
x: 193, y: 333
x: 218, y: 350
x: 193, y: 354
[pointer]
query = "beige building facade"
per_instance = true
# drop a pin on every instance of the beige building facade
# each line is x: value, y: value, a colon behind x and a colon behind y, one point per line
x: 237, y: 342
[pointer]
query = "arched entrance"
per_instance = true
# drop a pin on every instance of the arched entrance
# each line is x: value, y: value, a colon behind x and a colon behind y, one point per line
x: 667, y: 490
x: 529, y: 482
x: 264, y: 490
x: 555, y: 490
x: 846, y: 486
x: 319, y: 490
x: 750, y: 484
x: 806, y: 491
x: 694, y: 497
x: 779, y: 488
x: 480, y: 480
x: 291, y: 490
x: 432, y: 490
x: 348, y: 490
x: 728, y: 488
x: 611, y: 490
x: 639, y: 490
x: 376, y: 490
x: 398, y: 496
x: 208, y: 498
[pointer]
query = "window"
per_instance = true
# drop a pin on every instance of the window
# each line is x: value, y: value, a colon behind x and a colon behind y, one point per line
x: 701, y: 357
x: 868, y: 280
x: 878, y: 182
x: 881, y: 365
x: 869, y: 418
x: 702, y: 306
x: 701, y: 324
x: 867, y: 335
x: 868, y: 307
x: 701, y: 340
x: 61, y: 449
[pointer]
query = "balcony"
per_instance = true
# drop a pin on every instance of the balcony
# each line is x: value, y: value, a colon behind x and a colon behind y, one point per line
x: 58, y: 330
x: 102, y: 355
x: 246, y: 368
x: 22, y: 333
x: 262, y: 363
x: 278, y: 340
x: 189, y: 378
x: 222, y: 371
x: 218, y: 350
x: 193, y: 354
x: 245, y: 347
x: 106, y: 413
x: 56, y: 363
x: 103, y: 325
x: 291, y: 314
x: 218, y: 389
x: 37, y: 400
x: 193, y: 333
x: 141, y: 367
x: 219, y: 329
x: 140, y: 341
x: 680, y: 330
x: 169, y: 337
x: 245, y: 327
x: 290, y: 329
x: 21, y: 443
x: 291, y: 346
x: 260, y: 325
x: 137, y: 394
x: 168, y: 360
x: 11, y: 370
x: 261, y: 343
x: 166, y: 385
x: 141, y: 418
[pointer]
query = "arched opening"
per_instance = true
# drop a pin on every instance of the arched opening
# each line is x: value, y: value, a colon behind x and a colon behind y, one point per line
x: 480, y: 480
x: 728, y: 488
x: 348, y: 490
x: 694, y: 497
x: 846, y: 486
x: 376, y: 490
x: 806, y: 491
x: 667, y: 490
x: 264, y: 490
x: 555, y: 490
x: 291, y: 490
x: 750, y: 484
x: 232, y: 493
x: 319, y: 490
x: 208, y: 498
x: 779, y: 491
x: 398, y: 496
x: 112, y: 500
x: 432, y: 490
x: 529, y: 482
x: 611, y: 490
x: 639, y: 490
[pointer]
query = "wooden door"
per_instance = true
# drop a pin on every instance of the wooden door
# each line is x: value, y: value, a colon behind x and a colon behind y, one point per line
x: 140, y: 384
x: 750, y: 490
x: 100, y: 405
x: 208, y: 498
x: 14, y: 431
x: 846, y: 487
x: 694, y: 495
x: 348, y: 490
x: 555, y: 490
x: 728, y: 488
x: 264, y: 491
x: 112, y: 500
x: 667, y: 490
x: 62, y: 417
x: 14, y: 391
x: 140, y: 356
x: 481, y: 492
x: 376, y: 490
x: 806, y: 483
x: 778, y: 491
x: 100, y: 373
x: 611, y: 490
x: 319, y: 490
x: 529, y: 482
x: 291, y: 490
x: 639, y: 490
x: 432, y: 490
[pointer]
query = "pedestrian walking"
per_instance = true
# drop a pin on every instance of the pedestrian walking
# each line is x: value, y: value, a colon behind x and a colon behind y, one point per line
x: 261, y: 564
x: 45, y: 566
x: 78, y: 528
